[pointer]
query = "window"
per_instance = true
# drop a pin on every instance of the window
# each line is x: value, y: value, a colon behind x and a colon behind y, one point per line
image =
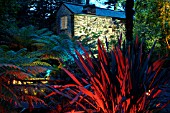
x: 64, y: 22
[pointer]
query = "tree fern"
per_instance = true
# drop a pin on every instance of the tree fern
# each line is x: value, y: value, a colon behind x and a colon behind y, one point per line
x: 55, y: 45
x: 13, y: 95
x: 23, y: 37
x: 17, y: 58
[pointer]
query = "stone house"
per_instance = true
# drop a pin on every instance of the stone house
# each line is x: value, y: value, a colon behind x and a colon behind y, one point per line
x: 80, y: 20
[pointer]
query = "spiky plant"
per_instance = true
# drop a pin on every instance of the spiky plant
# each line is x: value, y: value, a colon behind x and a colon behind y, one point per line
x: 125, y: 80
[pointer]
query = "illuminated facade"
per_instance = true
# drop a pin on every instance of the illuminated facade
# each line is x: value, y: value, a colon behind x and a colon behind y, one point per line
x: 87, y: 20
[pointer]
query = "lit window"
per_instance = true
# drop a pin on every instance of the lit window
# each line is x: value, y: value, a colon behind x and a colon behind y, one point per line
x: 64, y: 22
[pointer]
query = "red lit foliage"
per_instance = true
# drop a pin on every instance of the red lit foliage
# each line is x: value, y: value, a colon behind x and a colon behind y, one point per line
x: 13, y: 95
x: 123, y: 80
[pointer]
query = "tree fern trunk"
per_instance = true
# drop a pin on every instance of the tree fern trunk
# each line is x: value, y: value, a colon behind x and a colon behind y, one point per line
x: 129, y: 19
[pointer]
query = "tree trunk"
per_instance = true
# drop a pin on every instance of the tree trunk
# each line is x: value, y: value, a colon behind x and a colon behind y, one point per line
x: 129, y: 19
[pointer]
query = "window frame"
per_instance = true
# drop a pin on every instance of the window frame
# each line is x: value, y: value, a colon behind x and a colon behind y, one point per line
x: 63, y: 22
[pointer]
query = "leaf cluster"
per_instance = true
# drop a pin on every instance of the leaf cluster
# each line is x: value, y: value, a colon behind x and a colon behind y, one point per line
x: 149, y: 22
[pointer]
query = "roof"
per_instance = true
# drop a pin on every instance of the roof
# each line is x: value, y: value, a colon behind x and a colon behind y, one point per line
x: 78, y: 9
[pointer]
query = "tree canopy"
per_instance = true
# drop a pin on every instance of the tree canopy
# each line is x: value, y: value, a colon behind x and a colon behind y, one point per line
x: 152, y: 21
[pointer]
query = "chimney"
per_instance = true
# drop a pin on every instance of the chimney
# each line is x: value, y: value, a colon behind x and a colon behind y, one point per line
x: 89, y: 8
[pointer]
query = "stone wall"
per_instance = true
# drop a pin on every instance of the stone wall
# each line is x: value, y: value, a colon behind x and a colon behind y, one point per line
x: 104, y: 27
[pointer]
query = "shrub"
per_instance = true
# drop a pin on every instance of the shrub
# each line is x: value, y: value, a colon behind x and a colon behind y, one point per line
x: 123, y: 80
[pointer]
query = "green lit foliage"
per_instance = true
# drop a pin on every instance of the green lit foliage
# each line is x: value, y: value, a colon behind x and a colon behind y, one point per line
x: 164, y: 10
x: 17, y: 38
x: 20, y: 62
x: 36, y: 42
x: 148, y: 23
x: 57, y: 46
x: 127, y: 76
x: 29, y: 62
x: 23, y: 65
x: 18, y: 58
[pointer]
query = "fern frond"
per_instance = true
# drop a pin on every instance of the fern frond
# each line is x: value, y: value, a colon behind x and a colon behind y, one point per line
x: 22, y: 52
x: 38, y: 45
x: 58, y: 49
x: 48, y: 33
x: 4, y: 79
x: 40, y: 40
x: 48, y: 56
x: 55, y: 39
x: 4, y: 60
x: 21, y: 61
x: 17, y: 74
x: 3, y: 48
x: 11, y: 70
x: 26, y: 32
x: 9, y: 95
x: 34, y: 54
x: 34, y: 70
x: 33, y: 100
x: 41, y: 31
x: 39, y: 63
x: 67, y: 41
x: 10, y: 54
x: 4, y: 67
x: 52, y: 41
x: 18, y: 58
